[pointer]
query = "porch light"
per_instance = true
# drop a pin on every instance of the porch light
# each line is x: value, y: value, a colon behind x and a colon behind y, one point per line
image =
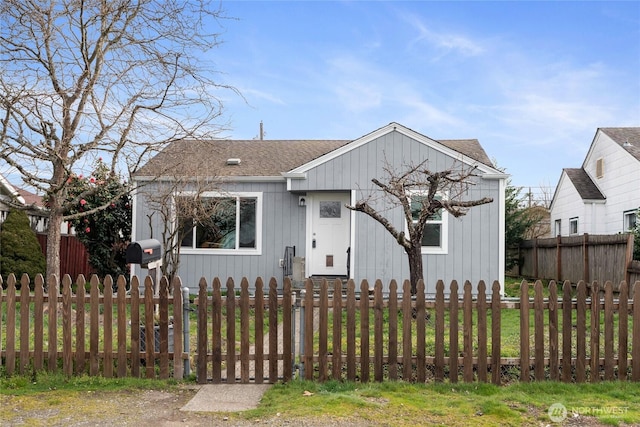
x: 302, y: 201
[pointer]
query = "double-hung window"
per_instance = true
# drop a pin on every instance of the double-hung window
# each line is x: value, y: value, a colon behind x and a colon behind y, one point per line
x: 573, y: 225
x: 229, y: 223
x: 435, y: 236
x: 630, y: 220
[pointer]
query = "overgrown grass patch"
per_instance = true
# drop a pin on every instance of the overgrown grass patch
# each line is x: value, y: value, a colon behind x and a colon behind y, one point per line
x: 399, y: 403
x: 45, y: 381
x: 387, y: 403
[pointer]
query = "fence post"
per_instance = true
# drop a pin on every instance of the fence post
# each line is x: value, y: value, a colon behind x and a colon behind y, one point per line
x: 585, y: 257
x: 524, y: 332
x: 294, y: 313
x: 201, y: 367
x: 308, y: 336
x: 287, y: 332
x: 595, y: 332
x: 185, y: 329
x: 496, y: 329
x: 628, y: 258
x: 303, y: 294
x: 558, y: 258
x: 535, y: 257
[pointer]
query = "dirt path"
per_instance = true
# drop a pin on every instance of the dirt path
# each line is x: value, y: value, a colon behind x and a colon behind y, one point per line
x: 128, y: 408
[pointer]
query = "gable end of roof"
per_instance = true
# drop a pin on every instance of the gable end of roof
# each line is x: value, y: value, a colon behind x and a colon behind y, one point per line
x: 583, y: 184
x: 628, y: 138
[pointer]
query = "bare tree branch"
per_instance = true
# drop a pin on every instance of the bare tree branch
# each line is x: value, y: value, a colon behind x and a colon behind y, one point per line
x: 436, y: 192
x: 83, y: 79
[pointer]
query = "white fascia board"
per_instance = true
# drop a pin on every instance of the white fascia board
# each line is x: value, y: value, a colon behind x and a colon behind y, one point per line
x: 486, y: 169
x: 495, y: 176
x: 290, y: 176
x: 345, y: 149
x: 294, y: 175
x: 594, y: 141
x: 594, y: 201
x: 555, y: 193
x: 403, y: 130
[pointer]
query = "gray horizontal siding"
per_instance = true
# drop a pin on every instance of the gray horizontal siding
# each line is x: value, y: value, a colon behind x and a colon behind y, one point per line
x: 473, y: 252
x: 283, y: 225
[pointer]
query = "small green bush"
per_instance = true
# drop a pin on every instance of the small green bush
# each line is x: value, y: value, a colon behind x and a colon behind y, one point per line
x: 20, y: 251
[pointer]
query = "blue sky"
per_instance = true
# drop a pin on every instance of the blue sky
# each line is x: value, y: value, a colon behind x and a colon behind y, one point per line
x: 531, y: 80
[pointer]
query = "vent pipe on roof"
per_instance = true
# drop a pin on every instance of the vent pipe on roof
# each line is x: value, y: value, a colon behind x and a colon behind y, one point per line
x: 626, y: 143
x: 261, y: 131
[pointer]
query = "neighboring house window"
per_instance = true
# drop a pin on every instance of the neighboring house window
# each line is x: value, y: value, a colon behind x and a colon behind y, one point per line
x: 434, y: 238
x: 558, y: 227
x: 232, y: 224
x: 573, y: 226
x: 630, y: 220
x: 600, y: 168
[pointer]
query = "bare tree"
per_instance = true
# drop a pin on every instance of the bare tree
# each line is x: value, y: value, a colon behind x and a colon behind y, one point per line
x: 176, y: 206
x: 117, y: 79
x: 422, y: 194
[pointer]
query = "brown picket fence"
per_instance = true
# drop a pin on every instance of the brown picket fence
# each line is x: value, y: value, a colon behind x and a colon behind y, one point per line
x: 328, y: 331
x: 98, y: 333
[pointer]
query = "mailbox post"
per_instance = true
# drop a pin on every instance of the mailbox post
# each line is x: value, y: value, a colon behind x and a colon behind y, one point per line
x: 147, y: 253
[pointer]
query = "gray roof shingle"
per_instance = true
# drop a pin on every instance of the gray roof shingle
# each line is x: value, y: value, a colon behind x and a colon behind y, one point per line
x: 259, y: 158
x: 585, y: 186
x: 622, y: 136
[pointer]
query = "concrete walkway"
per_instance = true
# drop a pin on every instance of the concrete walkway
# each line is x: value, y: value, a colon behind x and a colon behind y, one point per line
x: 226, y: 398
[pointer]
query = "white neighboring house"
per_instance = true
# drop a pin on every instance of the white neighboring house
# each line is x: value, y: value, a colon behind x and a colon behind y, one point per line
x: 603, y: 196
x: 13, y: 196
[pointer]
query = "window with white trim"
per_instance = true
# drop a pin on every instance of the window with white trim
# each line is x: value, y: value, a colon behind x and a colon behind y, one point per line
x: 435, y: 235
x: 233, y: 223
x: 558, y: 227
x: 630, y: 220
x: 573, y: 225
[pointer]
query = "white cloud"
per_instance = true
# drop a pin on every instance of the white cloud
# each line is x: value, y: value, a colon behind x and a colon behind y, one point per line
x: 252, y: 94
x: 443, y: 41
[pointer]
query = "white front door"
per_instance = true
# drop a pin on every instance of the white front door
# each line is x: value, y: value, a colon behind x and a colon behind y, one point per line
x: 330, y: 233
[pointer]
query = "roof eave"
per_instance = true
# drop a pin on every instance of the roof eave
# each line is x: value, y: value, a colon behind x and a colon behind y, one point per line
x: 229, y: 178
x: 391, y: 127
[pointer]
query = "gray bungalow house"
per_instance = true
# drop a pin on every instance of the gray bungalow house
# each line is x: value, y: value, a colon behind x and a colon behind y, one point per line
x: 278, y: 196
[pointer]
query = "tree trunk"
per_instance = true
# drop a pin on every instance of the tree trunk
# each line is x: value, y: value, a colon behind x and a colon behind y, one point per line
x: 53, y: 242
x: 415, y: 267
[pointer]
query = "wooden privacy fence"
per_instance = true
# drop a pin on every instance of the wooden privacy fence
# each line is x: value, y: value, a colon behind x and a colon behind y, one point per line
x: 585, y: 257
x: 74, y: 258
x: 369, y: 336
x: 51, y: 330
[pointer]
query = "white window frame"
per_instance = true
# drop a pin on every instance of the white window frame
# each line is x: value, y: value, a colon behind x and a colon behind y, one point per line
x: 573, y: 223
x: 444, y: 228
x: 185, y: 250
x: 628, y: 218
x: 558, y: 227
